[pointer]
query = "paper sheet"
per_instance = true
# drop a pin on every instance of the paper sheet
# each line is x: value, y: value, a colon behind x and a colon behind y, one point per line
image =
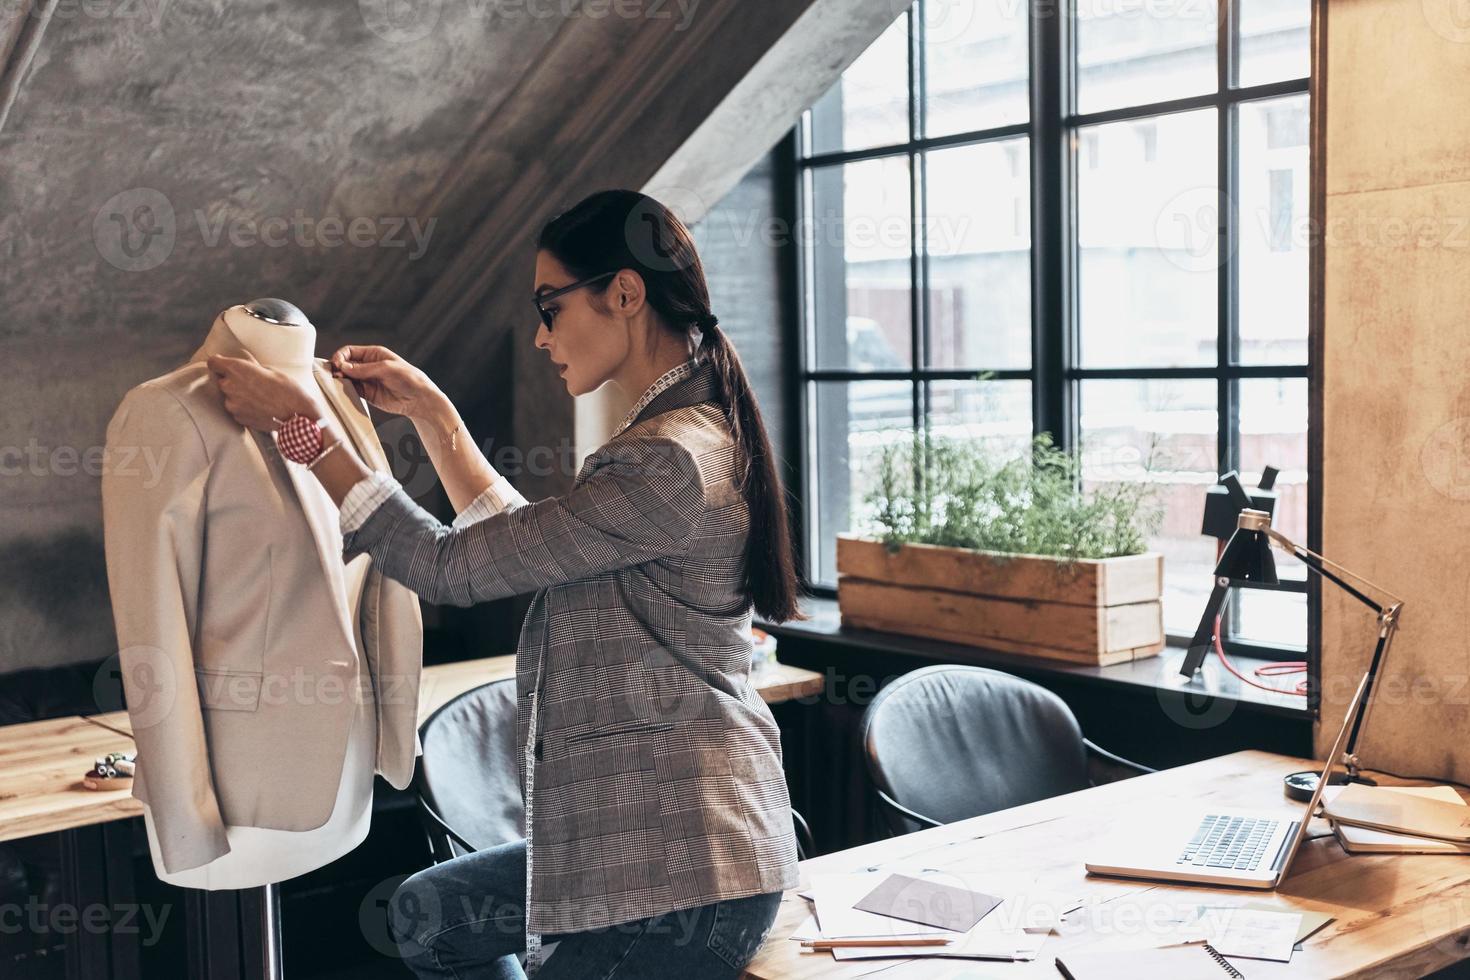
x: 1250, y: 933
x: 1014, y: 930
x: 834, y: 896
x: 1023, y: 907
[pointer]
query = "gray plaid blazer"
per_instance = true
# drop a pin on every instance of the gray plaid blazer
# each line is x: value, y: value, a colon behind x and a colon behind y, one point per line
x: 658, y: 781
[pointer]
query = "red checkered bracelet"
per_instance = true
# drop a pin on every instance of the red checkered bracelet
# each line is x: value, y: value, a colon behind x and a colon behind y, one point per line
x: 299, y: 438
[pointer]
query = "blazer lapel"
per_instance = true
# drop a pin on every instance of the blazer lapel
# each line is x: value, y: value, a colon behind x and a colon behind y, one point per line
x: 355, y: 420
x: 326, y: 541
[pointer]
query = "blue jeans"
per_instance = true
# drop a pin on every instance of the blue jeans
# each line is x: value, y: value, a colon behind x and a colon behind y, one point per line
x: 465, y: 919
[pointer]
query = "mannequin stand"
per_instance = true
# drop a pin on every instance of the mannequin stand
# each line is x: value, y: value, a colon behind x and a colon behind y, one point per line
x: 235, y: 934
x: 270, y: 932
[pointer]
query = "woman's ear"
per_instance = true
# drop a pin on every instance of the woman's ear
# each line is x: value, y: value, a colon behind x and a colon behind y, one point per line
x: 631, y: 293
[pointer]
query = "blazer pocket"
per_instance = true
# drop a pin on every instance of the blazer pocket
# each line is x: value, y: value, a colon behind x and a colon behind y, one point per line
x: 620, y: 728
x: 222, y: 689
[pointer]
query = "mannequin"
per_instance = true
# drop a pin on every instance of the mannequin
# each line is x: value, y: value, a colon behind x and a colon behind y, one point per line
x: 280, y: 336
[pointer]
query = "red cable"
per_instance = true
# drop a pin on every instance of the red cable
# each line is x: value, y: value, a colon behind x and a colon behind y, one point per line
x: 1267, y: 670
x: 1287, y: 667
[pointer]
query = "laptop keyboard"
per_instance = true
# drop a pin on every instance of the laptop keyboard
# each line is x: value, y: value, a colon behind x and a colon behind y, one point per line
x: 1229, y: 842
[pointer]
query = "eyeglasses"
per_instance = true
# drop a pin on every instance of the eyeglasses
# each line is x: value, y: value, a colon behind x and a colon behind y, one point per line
x: 540, y: 298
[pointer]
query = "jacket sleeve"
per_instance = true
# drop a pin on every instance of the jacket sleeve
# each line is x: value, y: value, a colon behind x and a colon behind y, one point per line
x: 153, y: 502
x: 642, y: 499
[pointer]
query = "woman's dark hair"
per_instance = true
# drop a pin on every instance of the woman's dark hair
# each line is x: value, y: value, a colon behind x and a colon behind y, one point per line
x: 620, y: 229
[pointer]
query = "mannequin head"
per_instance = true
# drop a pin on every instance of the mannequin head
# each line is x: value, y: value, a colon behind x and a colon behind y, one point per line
x: 276, y: 332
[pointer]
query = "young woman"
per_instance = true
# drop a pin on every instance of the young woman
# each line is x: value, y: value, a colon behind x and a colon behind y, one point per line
x: 660, y: 832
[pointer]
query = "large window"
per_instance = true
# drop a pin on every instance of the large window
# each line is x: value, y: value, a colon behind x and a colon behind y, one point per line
x: 1088, y: 219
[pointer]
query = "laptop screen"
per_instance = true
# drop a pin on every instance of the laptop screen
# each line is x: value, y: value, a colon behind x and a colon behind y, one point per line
x: 1333, y: 755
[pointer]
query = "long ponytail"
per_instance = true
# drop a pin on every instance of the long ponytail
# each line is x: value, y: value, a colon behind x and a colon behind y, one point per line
x: 770, y: 570
x: 627, y: 230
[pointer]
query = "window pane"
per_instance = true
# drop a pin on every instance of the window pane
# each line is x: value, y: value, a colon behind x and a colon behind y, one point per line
x: 1147, y: 234
x: 976, y: 63
x: 1133, y: 52
x: 854, y: 421
x: 1274, y: 175
x: 978, y: 234
x: 870, y: 105
x: 861, y: 239
x: 1163, y: 432
x: 1275, y: 40
x: 996, y: 412
x: 1273, y: 431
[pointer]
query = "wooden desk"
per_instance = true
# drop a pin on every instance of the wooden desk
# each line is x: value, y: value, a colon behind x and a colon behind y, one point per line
x: 1396, y: 915
x: 41, y: 767
x: 41, y: 763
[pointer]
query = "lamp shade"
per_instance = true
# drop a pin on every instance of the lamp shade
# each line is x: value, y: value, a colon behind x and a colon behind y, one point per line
x: 1246, y: 561
x: 1247, y: 558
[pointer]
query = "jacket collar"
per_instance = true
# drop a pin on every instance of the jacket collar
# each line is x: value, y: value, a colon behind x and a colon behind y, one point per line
x: 220, y: 340
x: 701, y: 386
x: 339, y: 394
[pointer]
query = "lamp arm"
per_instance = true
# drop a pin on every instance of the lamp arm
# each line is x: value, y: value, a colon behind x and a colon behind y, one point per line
x: 1388, y: 616
x: 1326, y: 567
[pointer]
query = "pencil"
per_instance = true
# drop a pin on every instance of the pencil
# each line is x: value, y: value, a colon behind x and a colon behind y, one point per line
x: 839, y: 943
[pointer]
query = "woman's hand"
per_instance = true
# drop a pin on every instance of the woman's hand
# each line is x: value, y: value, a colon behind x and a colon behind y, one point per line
x: 255, y: 394
x: 390, y: 383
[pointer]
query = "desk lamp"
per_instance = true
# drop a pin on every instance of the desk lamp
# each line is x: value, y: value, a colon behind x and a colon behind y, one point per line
x: 1247, y: 563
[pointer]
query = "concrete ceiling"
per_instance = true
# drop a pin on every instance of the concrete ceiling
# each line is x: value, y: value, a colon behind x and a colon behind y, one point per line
x: 383, y: 163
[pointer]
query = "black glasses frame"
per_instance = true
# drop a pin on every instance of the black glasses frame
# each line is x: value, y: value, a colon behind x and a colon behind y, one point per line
x: 540, y: 298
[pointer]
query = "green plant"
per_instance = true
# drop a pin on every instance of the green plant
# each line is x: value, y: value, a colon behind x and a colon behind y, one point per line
x: 957, y: 493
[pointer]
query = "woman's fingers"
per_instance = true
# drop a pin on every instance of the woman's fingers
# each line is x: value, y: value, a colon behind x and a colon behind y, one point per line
x: 367, y: 369
x: 224, y: 367
x: 357, y: 354
x: 254, y: 395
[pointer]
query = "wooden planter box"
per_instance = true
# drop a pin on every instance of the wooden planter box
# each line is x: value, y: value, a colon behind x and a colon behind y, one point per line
x: 1086, y: 611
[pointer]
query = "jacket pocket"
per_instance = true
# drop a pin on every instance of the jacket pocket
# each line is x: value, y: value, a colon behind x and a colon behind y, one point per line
x: 620, y: 728
x: 222, y: 689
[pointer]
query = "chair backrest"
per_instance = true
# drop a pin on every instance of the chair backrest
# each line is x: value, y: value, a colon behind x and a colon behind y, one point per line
x: 952, y: 742
x: 468, y: 772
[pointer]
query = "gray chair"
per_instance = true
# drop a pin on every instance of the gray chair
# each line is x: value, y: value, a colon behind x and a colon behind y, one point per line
x: 949, y: 742
x: 468, y: 786
x: 467, y: 782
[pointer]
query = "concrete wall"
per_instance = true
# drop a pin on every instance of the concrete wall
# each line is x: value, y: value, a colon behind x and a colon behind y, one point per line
x: 160, y: 161
x: 1396, y: 390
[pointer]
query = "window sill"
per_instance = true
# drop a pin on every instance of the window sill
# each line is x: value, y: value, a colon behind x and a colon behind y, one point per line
x: 1159, y: 674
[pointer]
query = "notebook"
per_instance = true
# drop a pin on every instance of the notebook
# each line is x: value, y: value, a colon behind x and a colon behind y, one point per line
x: 1360, y: 840
x: 1189, y: 961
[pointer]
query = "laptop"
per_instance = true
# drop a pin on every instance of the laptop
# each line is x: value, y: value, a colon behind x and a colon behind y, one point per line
x: 1218, y: 846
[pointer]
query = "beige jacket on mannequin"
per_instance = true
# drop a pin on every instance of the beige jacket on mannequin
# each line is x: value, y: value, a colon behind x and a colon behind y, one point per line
x: 238, y: 665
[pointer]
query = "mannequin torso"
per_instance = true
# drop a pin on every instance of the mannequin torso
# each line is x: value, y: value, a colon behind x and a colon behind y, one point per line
x: 260, y: 855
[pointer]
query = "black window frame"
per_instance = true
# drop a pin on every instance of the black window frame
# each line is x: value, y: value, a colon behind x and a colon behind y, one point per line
x: 1055, y: 374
